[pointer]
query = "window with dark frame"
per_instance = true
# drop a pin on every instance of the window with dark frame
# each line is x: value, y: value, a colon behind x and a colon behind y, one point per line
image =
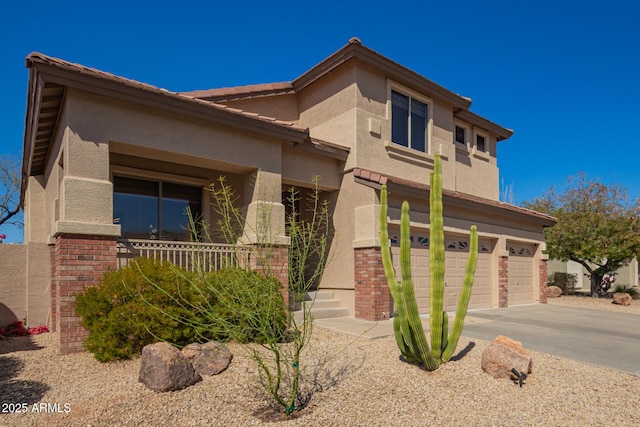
x: 155, y: 210
x: 480, y: 143
x: 460, y: 137
x: 409, y: 118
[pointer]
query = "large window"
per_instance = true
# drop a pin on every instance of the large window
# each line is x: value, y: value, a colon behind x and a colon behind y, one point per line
x: 154, y: 210
x: 409, y: 118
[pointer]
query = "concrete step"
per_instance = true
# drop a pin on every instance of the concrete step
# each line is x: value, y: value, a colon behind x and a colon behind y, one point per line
x: 318, y: 295
x: 324, y: 303
x: 322, y: 313
x: 323, y: 306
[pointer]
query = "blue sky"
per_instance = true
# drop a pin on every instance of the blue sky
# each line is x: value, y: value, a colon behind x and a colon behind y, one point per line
x: 562, y: 74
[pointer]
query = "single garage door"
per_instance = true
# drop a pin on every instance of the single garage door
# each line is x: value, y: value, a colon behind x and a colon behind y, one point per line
x: 521, y: 289
x: 456, y: 254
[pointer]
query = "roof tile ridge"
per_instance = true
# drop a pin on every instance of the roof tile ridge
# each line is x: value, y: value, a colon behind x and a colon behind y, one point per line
x: 239, y: 90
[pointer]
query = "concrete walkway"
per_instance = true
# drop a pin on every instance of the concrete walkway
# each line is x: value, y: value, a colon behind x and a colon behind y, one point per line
x: 601, y: 338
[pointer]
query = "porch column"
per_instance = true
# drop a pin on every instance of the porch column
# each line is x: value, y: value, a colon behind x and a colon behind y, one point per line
x: 264, y: 228
x: 78, y: 262
x: 83, y: 236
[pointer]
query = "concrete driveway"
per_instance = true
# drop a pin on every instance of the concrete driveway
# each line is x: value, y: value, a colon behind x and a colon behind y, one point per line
x: 602, y: 338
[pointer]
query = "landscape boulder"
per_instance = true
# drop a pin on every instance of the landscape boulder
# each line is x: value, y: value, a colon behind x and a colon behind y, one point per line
x: 164, y: 368
x: 208, y: 359
x: 554, y: 291
x: 503, y: 355
x: 621, y: 298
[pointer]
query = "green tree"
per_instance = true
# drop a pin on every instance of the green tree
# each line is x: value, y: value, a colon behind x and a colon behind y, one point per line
x: 9, y: 190
x: 598, y: 226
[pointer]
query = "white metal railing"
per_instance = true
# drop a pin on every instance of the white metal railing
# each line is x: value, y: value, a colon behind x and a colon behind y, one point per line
x: 188, y: 255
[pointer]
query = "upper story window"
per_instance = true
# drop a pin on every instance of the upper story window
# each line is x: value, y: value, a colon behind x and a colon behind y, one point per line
x: 481, y: 143
x: 409, y: 118
x: 461, y: 135
x: 154, y: 210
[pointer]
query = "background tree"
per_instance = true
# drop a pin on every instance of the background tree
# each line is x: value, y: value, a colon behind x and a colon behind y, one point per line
x: 598, y: 226
x: 9, y: 190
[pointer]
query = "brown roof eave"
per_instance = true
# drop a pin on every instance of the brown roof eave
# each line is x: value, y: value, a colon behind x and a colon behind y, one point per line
x: 28, y: 132
x: 417, y: 190
x: 473, y: 118
x: 355, y: 49
x: 127, y: 90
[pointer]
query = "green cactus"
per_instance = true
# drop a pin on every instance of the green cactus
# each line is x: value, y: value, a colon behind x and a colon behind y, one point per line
x: 407, y: 325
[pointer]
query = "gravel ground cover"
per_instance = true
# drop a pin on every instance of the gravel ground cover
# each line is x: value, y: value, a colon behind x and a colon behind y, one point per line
x: 360, y: 383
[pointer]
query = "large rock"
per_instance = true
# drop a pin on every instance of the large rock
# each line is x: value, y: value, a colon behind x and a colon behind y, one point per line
x: 621, y: 298
x: 208, y: 359
x: 504, y: 354
x: 554, y: 291
x: 165, y: 368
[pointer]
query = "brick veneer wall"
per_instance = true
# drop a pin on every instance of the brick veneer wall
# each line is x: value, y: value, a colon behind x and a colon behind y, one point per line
x: 52, y: 288
x: 372, y: 297
x: 78, y: 262
x: 273, y: 260
x: 503, y: 282
x: 544, y: 272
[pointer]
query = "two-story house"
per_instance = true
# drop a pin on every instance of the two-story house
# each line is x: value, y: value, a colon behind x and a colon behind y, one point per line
x: 109, y: 160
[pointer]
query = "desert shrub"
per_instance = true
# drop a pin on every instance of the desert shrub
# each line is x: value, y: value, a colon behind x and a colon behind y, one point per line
x: 145, y: 302
x: 249, y: 306
x: 633, y: 291
x: 565, y: 281
x: 150, y: 301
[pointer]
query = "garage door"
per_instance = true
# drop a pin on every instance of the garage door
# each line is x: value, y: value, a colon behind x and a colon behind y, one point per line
x: 457, y: 250
x: 456, y: 256
x: 419, y: 265
x: 520, y: 284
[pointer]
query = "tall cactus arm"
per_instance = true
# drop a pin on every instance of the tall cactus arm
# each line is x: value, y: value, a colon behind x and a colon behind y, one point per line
x: 395, y: 288
x: 461, y: 312
x: 445, y: 330
x: 419, y: 345
x: 389, y: 271
x: 436, y: 257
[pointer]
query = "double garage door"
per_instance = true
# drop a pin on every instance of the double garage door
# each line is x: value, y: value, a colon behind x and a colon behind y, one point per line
x: 456, y: 254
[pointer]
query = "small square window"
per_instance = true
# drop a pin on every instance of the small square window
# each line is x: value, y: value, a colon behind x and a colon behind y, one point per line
x: 460, y: 137
x: 480, y: 143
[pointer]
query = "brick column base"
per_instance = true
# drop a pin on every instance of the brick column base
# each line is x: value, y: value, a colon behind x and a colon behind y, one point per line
x: 544, y: 284
x: 275, y: 261
x: 503, y: 282
x: 372, y: 296
x: 52, y: 289
x: 78, y: 262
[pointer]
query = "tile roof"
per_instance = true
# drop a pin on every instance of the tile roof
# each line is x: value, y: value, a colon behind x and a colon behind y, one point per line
x: 381, y: 179
x: 37, y: 57
x: 248, y: 91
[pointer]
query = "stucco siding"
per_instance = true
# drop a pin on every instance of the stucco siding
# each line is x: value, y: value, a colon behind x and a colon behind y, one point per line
x: 13, y: 283
x: 327, y: 107
x: 148, y: 128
